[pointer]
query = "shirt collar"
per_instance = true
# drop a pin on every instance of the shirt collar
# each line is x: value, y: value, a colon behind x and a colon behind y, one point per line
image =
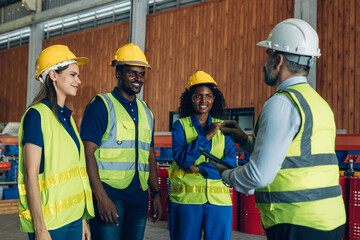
x: 291, y: 81
x: 195, y: 121
x: 116, y: 93
x: 60, y: 110
x: 64, y: 111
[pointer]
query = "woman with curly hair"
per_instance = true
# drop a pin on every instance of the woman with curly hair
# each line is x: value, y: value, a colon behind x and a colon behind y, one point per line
x: 200, y: 202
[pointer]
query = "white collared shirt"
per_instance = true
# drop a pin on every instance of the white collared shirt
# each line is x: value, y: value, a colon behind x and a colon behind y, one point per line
x: 278, y: 124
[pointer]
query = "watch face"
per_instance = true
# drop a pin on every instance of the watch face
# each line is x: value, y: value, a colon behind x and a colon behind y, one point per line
x: 226, y: 184
x: 153, y: 194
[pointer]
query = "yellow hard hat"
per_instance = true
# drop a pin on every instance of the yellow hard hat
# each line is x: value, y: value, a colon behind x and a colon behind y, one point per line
x: 198, y: 78
x: 54, y: 55
x: 130, y: 54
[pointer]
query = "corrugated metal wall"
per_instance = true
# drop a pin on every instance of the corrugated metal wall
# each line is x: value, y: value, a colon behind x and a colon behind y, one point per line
x: 97, y: 76
x: 14, y: 11
x: 218, y: 37
x: 13, y: 83
x: 338, y: 72
x: 49, y: 4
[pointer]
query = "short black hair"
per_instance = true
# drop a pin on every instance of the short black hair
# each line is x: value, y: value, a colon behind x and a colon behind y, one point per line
x: 120, y: 68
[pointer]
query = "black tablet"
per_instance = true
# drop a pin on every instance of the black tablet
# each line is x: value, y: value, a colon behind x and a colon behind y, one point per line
x: 209, y: 155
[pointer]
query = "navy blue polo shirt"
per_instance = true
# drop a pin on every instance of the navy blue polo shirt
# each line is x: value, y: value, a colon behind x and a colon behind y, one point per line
x: 93, y: 127
x: 33, y: 133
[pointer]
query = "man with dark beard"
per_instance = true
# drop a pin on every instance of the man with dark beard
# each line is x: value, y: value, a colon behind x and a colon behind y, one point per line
x: 118, y: 134
x: 293, y: 167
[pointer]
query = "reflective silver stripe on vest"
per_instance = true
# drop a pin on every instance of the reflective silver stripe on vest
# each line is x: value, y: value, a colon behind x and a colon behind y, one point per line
x: 144, y: 167
x: 122, y: 166
x: 298, y: 196
x: 112, y: 142
x: 307, y: 159
x: 116, y: 165
x: 149, y: 116
x: 312, y: 161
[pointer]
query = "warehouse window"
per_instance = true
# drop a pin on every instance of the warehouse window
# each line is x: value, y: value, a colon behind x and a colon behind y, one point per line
x: 103, y: 15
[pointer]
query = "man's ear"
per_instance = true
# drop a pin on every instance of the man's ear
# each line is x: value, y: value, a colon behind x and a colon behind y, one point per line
x: 279, y: 61
x: 52, y: 75
x: 117, y: 74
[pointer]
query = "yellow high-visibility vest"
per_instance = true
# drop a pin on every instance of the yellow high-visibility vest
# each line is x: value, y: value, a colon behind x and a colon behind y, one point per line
x: 306, y: 190
x: 117, y: 152
x: 64, y: 185
x: 193, y: 188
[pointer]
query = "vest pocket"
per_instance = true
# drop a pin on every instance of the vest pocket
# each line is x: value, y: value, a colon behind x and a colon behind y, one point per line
x: 145, y: 134
x: 109, y: 168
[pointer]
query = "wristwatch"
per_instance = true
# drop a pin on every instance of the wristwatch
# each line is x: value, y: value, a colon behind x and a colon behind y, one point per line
x: 154, y: 193
x: 226, y: 184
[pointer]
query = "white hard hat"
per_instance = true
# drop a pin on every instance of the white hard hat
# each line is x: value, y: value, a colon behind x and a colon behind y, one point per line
x: 293, y: 36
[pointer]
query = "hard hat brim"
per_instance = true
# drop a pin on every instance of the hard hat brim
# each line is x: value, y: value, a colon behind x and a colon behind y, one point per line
x: 267, y: 44
x: 264, y: 43
x: 81, y: 60
x: 132, y: 63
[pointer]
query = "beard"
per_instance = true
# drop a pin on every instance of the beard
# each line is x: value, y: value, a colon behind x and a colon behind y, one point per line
x: 130, y: 91
x: 269, y: 78
x: 127, y: 88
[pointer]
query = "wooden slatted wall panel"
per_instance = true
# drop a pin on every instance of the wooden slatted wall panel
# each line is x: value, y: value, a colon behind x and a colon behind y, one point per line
x: 97, y: 76
x: 13, y: 84
x: 217, y: 37
x: 338, y: 74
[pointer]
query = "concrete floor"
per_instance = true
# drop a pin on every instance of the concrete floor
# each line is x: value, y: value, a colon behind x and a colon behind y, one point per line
x: 9, y: 230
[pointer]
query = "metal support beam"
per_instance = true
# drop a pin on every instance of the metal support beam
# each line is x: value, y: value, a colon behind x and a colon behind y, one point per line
x: 38, y: 6
x: 52, y: 13
x: 307, y: 11
x: 35, y: 47
x: 139, y: 10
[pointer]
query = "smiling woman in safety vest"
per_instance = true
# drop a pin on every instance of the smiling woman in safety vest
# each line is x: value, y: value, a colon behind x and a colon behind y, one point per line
x: 54, y: 192
x: 200, y: 202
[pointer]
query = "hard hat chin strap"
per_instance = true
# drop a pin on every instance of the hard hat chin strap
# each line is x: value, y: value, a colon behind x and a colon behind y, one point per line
x: 299, y: 59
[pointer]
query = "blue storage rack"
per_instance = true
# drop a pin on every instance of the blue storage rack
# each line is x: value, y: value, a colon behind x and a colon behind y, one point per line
x: 341, y: 155
x: 10, y: 193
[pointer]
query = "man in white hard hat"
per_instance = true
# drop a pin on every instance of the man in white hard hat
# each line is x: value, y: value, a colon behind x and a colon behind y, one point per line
x: 118, y: 134
x: 293, y: 168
